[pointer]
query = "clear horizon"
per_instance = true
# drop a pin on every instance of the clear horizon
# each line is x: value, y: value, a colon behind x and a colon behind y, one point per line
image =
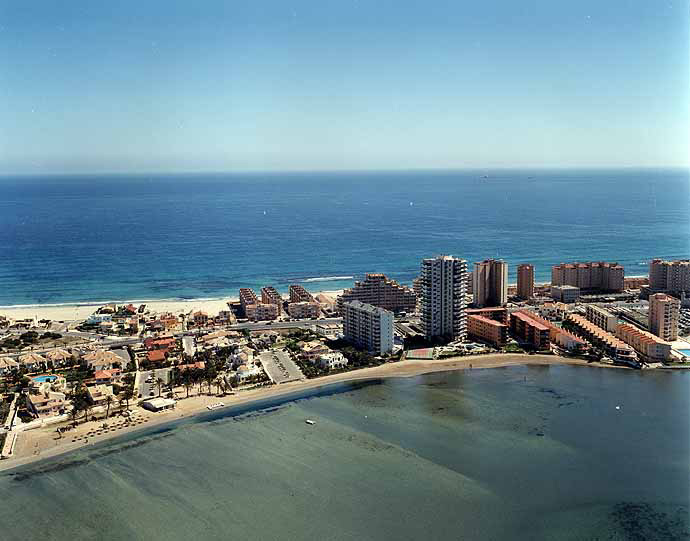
x: 168, y: 87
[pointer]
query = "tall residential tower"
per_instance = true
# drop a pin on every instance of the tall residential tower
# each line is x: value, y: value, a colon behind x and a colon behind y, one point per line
x: 443, y: 285
x: 525, y: 281
x: 664, y: 313
x: 490, y: 283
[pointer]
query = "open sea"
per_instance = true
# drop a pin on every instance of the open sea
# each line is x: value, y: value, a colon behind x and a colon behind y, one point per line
x: 68, y: 239
x: 525, y: 452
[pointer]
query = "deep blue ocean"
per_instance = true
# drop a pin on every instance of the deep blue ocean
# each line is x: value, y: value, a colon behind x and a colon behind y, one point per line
x: 83, y: 238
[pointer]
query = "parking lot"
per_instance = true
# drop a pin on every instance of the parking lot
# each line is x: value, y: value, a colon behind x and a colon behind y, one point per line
x: 147, y: 381
x: 279, y: 367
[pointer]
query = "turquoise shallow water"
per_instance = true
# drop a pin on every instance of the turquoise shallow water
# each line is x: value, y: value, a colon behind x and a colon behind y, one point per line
x: 65, y: 239
x: 513, y: 453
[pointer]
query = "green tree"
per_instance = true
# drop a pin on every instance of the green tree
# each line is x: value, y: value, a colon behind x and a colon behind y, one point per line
x: 159, y: 385
x: 127, y: 395
x: 108, y: 402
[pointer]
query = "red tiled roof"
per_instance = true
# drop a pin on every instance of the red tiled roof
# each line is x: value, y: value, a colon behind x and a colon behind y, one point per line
x: 103, y: 374
x: 530, y: 320
x: 487, y: 320
x: 157, y: 355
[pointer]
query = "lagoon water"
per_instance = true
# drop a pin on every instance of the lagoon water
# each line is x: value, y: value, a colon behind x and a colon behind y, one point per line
x: 67, y: 239
x: 512, y: 453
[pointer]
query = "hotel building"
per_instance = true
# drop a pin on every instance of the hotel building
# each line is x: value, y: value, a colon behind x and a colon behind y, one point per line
x: 590, y: 276
x: 487, y: 330
x: 649, y: 347
x: 529, y: 329
x: 302, y: 310
x: 270, y: 295
x: 368, y: 327
x: 247, y: 297
x: 669, y: 276
x: 299, y: 294
x: 601, y: 317
x: 612, y: 346
x: 490, y: 283
x: 443, y: 282
x: 664, y: 313
x: 261, y: 311
x: 567, y: 294
x: 378, y: 290
x: 525, y: 281
x: 255, y: 310
x: 532, y: 329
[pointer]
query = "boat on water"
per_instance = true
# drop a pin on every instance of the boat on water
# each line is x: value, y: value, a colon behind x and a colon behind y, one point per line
x: 309, y: 422
x: 215, y: 406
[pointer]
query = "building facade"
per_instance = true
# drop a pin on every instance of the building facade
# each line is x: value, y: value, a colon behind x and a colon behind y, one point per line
x: 529, y: 329
x: 487, y: 330
x: 490, y: 283
x: 247, y: 297
x: 443, y: 283
x: 589, y: 276
x: 664, y: 314
x: 262, y: 312
x: 669, y: 276
x: 649, y: 347
x: 270, y: 295
x: 565, y: 294
x: 378, y: 290
x: 525, y: 281
x: 601, y: 317
x: 299, y: 294
x: 497, y: 313
x: 368, y: 327
x: 596, y: 335
x: 303, y: 310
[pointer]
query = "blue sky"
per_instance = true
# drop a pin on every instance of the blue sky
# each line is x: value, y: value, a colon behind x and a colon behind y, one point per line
x: 320, y: 84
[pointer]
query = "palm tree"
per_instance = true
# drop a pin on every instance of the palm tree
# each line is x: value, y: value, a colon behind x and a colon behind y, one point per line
x: 86, y: 406
x: 187, y: 380
x: 220, y: 384
x: 127, y: 394
x: 108, y: 402
x: 74, y: 413
x: 159, y: 384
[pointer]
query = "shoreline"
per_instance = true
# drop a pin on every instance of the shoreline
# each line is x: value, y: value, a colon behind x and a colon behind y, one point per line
x: 40, y: 444
x: 70, y: 312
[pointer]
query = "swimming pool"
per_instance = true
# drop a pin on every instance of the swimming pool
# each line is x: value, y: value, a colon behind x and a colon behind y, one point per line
x: 44, y: 378
x: 684, y: 352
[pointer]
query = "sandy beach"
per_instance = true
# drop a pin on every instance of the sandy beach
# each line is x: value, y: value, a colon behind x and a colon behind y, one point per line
x: 80, y: 311
x: 43, y: 443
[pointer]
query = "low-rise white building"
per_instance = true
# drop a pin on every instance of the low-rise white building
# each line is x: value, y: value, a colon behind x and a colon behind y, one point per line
x: 246, y: 371
x: 565, y: 293
x: 332, y: 360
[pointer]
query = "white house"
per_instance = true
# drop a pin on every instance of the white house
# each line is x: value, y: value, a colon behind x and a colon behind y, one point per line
x: 333, y: 360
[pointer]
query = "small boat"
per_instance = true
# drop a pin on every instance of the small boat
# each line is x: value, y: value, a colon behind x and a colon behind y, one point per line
x: 215, y: 406
x: 310, y: 422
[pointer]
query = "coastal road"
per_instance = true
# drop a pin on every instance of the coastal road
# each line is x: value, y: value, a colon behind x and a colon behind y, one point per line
x: 299, y: 324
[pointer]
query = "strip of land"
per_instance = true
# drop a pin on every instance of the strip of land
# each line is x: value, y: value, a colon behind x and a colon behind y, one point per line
x: 81, y: 311
x: 43, y: 443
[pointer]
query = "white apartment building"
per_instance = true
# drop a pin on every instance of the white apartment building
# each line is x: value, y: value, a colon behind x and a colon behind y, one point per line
x: 443, y: 286
x: 601, y: 317
x: 368, y: 327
